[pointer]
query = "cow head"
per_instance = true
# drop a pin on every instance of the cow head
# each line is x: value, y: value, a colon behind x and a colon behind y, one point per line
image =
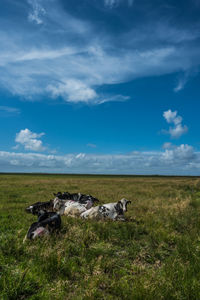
x: 92, y: 199
x: 33, y: 209
x: 58, y: 195
x: 58, y: 203
x: 36, y: 207
x: 65, y: 195
x: 123, y: 204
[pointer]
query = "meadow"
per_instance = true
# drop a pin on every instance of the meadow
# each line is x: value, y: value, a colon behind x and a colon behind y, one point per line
x: 155, y: 254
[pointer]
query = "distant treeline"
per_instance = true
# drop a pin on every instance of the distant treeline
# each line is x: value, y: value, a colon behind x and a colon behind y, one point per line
x: 98, y: 175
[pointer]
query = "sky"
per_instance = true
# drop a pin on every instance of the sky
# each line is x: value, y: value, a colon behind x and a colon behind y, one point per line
x: 100, y: 86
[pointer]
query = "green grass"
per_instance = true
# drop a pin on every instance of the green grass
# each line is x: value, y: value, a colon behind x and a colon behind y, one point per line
x: 154, y: 255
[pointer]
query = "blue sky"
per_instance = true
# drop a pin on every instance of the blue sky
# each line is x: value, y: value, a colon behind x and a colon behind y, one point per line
x: 100, y: 86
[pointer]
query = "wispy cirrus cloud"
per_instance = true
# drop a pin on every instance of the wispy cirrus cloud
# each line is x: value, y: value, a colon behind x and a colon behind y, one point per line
x: 8, y: 110
x: 184, y: 78
x: 181, y: 84
x: 91, y: 145
x: 71, y: 58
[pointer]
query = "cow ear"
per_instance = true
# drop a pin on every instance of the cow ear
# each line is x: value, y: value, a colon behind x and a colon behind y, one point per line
x: 119, y: 205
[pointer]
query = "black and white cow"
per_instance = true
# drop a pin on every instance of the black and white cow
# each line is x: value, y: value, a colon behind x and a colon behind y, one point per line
x: 114, y: 211
x: 77, y: 197
x: 74, y: 205
x: 46, y: 224
x: 70, y: 207
x: 38, y: 206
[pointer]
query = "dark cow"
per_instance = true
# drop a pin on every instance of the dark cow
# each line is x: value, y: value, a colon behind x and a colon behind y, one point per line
x: 36, y: 207
x: 46, y: 224
x: 78, y: 197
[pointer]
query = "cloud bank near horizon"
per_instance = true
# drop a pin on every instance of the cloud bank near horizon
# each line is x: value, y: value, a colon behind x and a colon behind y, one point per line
x: 179, y: 160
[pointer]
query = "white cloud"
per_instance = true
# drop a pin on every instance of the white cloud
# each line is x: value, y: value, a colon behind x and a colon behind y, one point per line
x: 72, y: 58
x: 77, y: 91
x: 180, y: 85
x: 37, y: 12
x: 30, y: 140
x: 167, y: 145
x: 73, y: 91
x: 181, y: 160
x: 178, y: 129
x: 180, y: 153
x: 115, y: 98
x: 171, y: 117
x: 44, y: 54
x: 72, y: 76
x: 184, y: 78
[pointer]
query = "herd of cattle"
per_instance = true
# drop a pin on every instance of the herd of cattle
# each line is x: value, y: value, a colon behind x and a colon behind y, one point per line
x: 74, y: 205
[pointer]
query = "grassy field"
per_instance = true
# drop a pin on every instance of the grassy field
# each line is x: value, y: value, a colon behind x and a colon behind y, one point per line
x: 154, y: 255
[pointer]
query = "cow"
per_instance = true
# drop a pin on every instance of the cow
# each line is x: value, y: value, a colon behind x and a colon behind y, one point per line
x: 36, y: 207
x: 72, y: 204
x: 71, y: 207
x: 46, y: 224
x: 113, y: 211
x: 78, y: 197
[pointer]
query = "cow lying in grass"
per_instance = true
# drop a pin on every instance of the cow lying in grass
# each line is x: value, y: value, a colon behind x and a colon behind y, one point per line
x: 38, y: 206
x: 73, y: 208
x: 66, y: 203
x: 77, y: 197
x: 46, y: 224
x: 113, y: 211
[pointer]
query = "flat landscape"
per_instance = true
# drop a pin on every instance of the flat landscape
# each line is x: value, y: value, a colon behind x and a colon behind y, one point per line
x: 155, y: 254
